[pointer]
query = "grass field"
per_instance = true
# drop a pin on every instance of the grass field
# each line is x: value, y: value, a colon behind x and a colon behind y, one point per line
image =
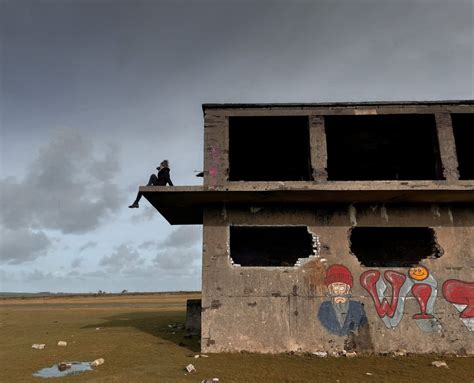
x: 138, y: 346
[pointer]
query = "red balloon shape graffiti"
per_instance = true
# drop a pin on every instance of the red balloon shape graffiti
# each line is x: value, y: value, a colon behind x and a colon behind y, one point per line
x: 460, y: 293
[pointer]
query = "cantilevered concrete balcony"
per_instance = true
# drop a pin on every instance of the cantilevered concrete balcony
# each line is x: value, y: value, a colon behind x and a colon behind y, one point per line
x: 184, y: 205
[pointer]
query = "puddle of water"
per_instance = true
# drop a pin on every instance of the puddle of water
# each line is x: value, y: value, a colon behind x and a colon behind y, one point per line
x: 53, y: 372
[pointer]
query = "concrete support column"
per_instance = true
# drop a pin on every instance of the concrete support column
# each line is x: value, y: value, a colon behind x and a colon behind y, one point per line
x: 216, y: 150
x: 447, y: 146
x: 319, y: 153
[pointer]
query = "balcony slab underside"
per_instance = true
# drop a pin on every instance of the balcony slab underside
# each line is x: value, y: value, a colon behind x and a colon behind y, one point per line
x: 184, y: 205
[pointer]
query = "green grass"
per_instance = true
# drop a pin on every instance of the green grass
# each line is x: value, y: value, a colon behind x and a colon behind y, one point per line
x: 138, y: 346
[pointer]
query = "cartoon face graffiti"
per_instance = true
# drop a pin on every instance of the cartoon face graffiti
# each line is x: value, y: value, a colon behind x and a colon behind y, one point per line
x: 340, y: 315
x: 418, y: 273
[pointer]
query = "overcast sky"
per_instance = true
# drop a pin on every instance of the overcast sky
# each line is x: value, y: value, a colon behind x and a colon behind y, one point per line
x: 94, y: 94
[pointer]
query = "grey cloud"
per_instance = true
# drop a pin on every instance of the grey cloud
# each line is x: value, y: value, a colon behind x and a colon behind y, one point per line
x: 76, y: 262
x: 183, y: 237
x: 61, y: 191
x: 124, y: 257
x: 88, y: 245
x: 22, y: 245
x: 180, y: 261
x: 68, y: 187
x: 145, y: 214
x: 147, y: 245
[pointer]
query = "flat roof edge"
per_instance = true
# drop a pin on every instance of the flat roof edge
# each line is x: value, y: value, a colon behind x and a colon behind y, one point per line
x: 329, y: 104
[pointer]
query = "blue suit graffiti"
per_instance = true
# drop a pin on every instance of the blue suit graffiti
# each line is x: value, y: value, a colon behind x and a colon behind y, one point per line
x: 340, y: 315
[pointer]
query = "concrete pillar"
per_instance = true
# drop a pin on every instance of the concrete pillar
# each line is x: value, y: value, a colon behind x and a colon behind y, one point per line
x: 216, y: 150
x: 447, y: 146
x: 319, y: 154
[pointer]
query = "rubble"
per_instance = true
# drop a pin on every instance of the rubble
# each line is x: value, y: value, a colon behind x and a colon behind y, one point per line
x: 38, y: 346
x: 400, y: 353
x: 97, y: 362
x: 439, y: 363
x: 62, y: 343
x: 190, y: 368
x: 209, y: 380
x: 320, y: 354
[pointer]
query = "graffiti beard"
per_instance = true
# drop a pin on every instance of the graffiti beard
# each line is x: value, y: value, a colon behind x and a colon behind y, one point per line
x: 421, y: 284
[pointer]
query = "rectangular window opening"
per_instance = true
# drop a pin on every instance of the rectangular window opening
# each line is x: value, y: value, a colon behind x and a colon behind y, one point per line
x: 269, y: 148
x: 383, y: 147
x: 393, y: 246
x: 279, y: 246
x: 463, y: 129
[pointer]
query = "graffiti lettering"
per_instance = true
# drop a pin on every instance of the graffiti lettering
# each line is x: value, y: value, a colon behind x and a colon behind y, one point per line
x: 421, y: 285
x: 461, y: 295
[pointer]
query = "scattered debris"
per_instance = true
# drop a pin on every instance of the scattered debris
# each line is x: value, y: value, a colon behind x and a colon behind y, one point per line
x: 320, y: 354
x: 369, y: 373
x: 439, y: 363
x: 190, y: 368
x: 400, y: 353
x: 64, y: 366
x: 62, y: 343
x: 209, y: 380
x: 351, y: 354
x: 38, y: 346
x: 97, y: 362
x: 205, y: 356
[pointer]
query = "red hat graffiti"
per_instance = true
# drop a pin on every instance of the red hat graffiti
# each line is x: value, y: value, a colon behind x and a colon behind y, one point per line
x: 338, y: 273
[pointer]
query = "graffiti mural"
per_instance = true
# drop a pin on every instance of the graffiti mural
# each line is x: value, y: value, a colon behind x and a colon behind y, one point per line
x: 461, y: 295
x: 341, y: 315
x: 419, y: 283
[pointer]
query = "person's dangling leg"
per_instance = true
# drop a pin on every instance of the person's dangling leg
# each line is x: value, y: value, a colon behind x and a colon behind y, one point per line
x: 153, y: 181
x: 135, y: 204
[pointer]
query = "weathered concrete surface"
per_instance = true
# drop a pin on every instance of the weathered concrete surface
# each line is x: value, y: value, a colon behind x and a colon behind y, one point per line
x: 275, y: 309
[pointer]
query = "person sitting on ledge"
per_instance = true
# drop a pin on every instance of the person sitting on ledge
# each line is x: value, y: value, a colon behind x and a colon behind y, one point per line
x: 161, y: 179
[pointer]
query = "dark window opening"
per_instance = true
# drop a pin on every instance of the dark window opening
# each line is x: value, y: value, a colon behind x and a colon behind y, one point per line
x: 383, y: 147
x: 269, y: 246
x: 393, y: 246
x: 463, y: 128
x: 269, y: 149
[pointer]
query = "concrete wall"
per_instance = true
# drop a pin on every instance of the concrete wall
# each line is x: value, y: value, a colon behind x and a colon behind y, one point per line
x: 275, y: 309
x: 263, y: 309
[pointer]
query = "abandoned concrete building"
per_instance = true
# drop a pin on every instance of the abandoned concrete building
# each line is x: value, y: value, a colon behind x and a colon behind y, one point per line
x: 330, y: 227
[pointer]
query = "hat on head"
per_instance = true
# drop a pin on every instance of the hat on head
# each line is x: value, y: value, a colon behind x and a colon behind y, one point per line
x: 338, y: 273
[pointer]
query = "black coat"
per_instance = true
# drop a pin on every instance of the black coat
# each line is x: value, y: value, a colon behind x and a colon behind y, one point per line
x: 164, y: 177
